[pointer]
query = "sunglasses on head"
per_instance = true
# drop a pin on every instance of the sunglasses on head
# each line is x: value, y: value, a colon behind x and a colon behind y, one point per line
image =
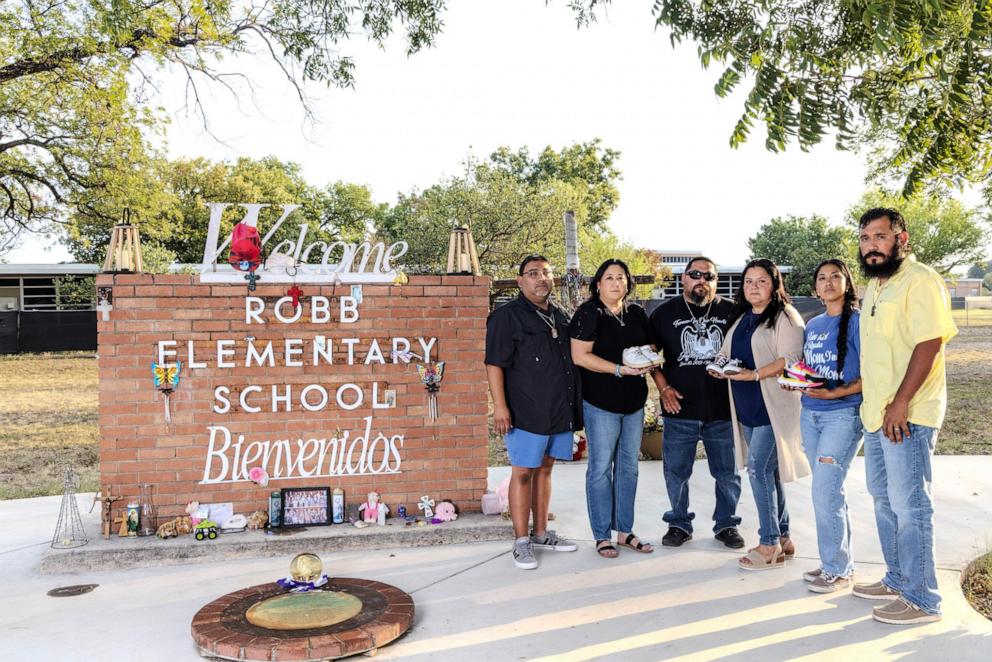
x: 696, y: 274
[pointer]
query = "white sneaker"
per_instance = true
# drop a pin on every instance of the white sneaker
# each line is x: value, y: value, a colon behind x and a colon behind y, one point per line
x: 716, y: 365
x: 633, y: 357
x: 551, y: 540
x: 721, y: 365
x: 733, y: 367
x: 523, y: 554
x: 651, y: 355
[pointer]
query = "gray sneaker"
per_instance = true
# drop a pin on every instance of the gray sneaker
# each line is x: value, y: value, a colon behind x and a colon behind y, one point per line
x: 900, y: 612
x: 551, y: 540
x: 827, y: 583
x: 810, y: 575
x: 523, y: 554
x: 876, y: 591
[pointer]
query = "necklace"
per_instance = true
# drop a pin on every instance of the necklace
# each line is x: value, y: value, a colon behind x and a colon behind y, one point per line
x: 613, y: 315
x: 698, y: 322
x: 878, y: 296
x: 549, y: 320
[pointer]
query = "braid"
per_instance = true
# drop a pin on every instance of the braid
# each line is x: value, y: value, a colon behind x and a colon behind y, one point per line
x: 850, y: 301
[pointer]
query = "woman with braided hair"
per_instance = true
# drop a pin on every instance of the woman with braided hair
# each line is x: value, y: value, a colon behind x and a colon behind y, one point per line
x: 830, y: 422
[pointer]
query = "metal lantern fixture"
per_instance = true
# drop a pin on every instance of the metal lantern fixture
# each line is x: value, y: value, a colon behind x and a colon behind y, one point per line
x: 124, y: 251
x: 462, y: 258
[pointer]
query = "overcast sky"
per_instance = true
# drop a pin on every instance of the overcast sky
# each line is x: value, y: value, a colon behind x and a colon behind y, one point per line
x: 519, y: 73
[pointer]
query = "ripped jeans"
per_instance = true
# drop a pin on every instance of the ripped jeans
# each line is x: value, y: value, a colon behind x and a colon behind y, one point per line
x: 766, y: 487
x: 831, y: 439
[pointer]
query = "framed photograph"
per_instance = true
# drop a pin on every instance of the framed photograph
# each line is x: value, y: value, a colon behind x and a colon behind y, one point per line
x: 306, y: 506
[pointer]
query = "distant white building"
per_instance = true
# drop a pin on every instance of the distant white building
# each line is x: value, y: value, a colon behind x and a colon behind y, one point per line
x: 727, y: 283
x: 35, y: 287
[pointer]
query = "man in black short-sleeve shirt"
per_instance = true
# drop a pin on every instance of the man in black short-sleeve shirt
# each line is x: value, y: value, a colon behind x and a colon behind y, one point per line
x: 689, y: 332
x: 536, y: 402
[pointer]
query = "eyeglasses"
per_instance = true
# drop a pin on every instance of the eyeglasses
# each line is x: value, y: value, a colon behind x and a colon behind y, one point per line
x: 537, y: 273
x: 695, y: 274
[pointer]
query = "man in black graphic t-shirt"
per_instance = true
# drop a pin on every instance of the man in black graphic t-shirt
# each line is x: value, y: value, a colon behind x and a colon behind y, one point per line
x: 689, y: 331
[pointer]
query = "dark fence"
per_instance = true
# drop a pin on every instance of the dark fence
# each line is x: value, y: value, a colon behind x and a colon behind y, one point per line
x: 8, y: 332
x: 28, y: 331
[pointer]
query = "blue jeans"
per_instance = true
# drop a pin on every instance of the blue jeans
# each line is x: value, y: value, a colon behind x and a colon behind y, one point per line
x: 679, y: 455
x: 834, y: 435
x: 899, y: 477
x: 611, y: 475
x: 769, y: 497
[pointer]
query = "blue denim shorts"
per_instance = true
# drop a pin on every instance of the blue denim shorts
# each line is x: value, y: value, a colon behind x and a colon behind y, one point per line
x: 527, y: 449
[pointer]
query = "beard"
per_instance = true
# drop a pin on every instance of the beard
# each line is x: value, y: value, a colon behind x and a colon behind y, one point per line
x: 886, y: 267
x: 699, y: 296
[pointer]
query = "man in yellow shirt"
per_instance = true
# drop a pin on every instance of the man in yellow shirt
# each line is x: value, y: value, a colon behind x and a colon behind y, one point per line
x: 905, y: 323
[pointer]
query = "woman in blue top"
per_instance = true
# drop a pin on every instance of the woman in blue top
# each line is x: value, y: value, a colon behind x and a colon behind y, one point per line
x: 830, y: 423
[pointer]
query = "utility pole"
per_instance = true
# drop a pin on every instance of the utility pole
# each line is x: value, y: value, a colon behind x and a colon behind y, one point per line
x: 572, y: 282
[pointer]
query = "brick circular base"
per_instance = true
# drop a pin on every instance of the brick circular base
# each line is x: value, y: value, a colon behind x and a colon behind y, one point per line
x: 220, y: 628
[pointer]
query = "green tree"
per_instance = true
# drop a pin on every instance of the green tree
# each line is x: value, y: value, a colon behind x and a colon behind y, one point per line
x: 987, y: 283
x: 589, y: 165
x: 508, y: 220
x: 597, y: 246
x: 913, y: 78
x: 979, y: 269
x: 75, y: 121
x: 943, y: 233
x: 802, y: 243
x: 512, y: 211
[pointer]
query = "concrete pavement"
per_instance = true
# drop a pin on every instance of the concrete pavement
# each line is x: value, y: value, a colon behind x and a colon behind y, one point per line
x: 689, y: 603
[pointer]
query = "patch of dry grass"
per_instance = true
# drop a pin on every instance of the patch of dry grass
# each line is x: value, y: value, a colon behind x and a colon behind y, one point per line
x: 973, y: 317
x: 48, y: 413
x: 969, y: 394
x: 977, y: 585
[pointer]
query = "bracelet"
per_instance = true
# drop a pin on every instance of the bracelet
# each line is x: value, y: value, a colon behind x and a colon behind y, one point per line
x: 616, y: 371
x: 757, y: 376
x: 667, y: 386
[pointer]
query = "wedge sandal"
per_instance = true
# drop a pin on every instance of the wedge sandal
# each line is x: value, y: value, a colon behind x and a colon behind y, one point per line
x: 755, y: 561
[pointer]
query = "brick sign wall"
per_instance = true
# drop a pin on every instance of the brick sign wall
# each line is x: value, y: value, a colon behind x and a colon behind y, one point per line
x: 348, y: 412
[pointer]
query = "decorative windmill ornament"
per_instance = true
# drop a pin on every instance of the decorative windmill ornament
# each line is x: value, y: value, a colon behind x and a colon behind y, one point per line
x: 431, y: 375
x: 166, y: 379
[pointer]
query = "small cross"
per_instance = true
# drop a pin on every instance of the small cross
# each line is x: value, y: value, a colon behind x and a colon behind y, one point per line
x: 252, y: 277
x: 296, y: 293
x: 104, y: 307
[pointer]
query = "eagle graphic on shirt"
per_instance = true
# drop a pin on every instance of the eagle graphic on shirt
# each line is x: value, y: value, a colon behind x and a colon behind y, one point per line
x: 700, y: 343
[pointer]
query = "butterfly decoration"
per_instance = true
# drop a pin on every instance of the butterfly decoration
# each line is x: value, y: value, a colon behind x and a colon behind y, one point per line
x: 431, y: 375
x: 166, y: 379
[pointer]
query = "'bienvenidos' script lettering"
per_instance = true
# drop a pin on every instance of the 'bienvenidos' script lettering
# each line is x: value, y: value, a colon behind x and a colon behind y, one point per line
x: 344, y: 455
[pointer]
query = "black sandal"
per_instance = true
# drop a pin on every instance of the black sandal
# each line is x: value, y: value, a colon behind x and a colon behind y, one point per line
x: 642, y: 547
x: 606, y: 549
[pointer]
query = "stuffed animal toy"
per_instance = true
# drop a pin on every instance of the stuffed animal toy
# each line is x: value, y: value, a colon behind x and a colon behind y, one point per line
x: 446, y: 511
x: 372, y: 511
x: 257, y: 520
x: 191, y: 509
x: 175, y: 527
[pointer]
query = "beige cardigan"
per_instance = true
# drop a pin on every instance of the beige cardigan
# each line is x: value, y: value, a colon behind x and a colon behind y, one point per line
x: 785, y: 340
